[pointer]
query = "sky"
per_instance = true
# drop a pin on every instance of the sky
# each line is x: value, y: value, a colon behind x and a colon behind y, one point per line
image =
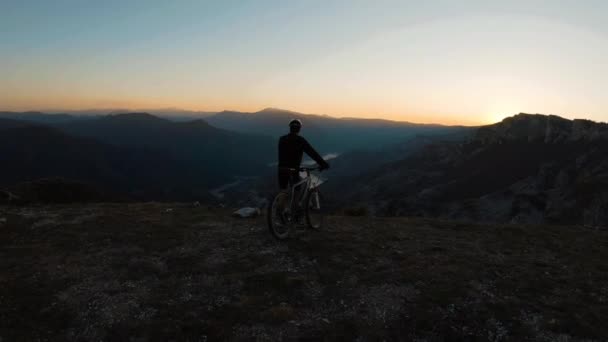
x: 451, y: 62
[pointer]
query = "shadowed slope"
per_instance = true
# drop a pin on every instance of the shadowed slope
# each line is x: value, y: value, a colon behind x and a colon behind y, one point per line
x: 31, y: 151
x: 528, y: 168
x: 218, y: 154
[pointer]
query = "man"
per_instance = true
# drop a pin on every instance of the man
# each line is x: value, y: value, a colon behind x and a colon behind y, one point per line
x: 291, y: 148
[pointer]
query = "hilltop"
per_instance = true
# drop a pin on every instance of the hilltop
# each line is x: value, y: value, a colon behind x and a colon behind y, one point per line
x: 176, y: 271
x: 550, y: 129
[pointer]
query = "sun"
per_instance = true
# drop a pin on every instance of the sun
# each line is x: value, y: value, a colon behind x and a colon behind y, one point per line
x: 500, y: 111
x: 497, y: 117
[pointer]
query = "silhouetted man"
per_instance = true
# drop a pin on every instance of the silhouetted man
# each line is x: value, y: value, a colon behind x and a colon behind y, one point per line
x: 291, y: 148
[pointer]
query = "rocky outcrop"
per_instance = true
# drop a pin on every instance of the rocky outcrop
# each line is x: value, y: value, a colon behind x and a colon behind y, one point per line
x: 548, y: 129
x: 525, y: 169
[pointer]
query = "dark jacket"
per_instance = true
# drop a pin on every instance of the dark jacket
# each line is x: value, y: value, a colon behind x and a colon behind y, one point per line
x: 292, y: 147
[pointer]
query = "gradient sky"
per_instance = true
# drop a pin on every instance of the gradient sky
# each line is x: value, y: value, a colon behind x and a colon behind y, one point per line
x: 466, y: 62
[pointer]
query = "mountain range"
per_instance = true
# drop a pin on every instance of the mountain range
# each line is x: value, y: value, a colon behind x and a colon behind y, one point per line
x: 158, y: 158
x: 524, y: 169
x: 330, y: 134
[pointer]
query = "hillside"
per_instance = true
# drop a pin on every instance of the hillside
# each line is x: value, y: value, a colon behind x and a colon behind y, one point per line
x: 30, y: 152
x: 347, y: 170
x: 217, y: 154
x: 191, y: 153
x: 173, y: 271
x: 220, y: 151
x: 528, y: 168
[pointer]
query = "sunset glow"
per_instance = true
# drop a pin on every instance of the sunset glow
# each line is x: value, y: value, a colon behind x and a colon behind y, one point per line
x: 469, y: 62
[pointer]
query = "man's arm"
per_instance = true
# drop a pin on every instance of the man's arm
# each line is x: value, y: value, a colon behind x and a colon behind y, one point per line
x: 314, y: 155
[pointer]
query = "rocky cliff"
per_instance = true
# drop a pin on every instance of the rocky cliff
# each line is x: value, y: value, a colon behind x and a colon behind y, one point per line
x: 527, y: 168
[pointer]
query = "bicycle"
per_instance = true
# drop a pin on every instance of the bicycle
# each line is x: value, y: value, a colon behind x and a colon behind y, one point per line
x: 286, y: 210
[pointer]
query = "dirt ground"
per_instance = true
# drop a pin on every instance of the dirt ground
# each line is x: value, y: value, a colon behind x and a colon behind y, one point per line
x: 175, y: 272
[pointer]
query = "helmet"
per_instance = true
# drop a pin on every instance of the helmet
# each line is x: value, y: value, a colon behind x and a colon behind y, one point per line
x: 295, y: 125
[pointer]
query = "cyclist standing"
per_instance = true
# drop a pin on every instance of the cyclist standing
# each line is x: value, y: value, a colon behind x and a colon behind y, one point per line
x: 291, y: 149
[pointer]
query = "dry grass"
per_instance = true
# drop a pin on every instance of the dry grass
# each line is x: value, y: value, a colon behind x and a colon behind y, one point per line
x: 142, y: 272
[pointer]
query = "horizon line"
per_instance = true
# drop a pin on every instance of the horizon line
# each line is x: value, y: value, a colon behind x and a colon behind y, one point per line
x: 114, y: 111
x: 117, y: 110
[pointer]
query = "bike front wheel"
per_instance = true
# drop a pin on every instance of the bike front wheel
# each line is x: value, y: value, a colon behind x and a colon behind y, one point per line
x: 314, y: 210
x: 279, y: 216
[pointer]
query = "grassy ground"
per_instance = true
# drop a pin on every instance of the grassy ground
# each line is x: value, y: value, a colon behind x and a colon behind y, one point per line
x: 174, y: 272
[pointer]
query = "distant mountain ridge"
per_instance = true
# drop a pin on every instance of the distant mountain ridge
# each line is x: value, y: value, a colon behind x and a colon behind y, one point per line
x: 173, y: 114
x: 330, y: 134
x: 37, y: 117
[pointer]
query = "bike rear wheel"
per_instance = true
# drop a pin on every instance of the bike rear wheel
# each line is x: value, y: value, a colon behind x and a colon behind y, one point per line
x: 314, y: 210
x: 279, y: 216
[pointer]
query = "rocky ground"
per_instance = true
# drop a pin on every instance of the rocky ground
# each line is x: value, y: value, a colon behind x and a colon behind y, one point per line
x: 166, y: 272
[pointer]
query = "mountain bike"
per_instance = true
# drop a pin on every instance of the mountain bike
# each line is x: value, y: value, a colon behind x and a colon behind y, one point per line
x: 302, y: 201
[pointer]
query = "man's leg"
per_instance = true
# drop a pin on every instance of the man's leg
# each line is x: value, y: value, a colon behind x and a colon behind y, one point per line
x: 283, y: 179
x: 283, y: 201
x: 298, y: 192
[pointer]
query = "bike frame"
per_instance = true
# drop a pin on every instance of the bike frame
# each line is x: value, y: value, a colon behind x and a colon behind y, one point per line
x: 306, y: 180
x: 306, y: 183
